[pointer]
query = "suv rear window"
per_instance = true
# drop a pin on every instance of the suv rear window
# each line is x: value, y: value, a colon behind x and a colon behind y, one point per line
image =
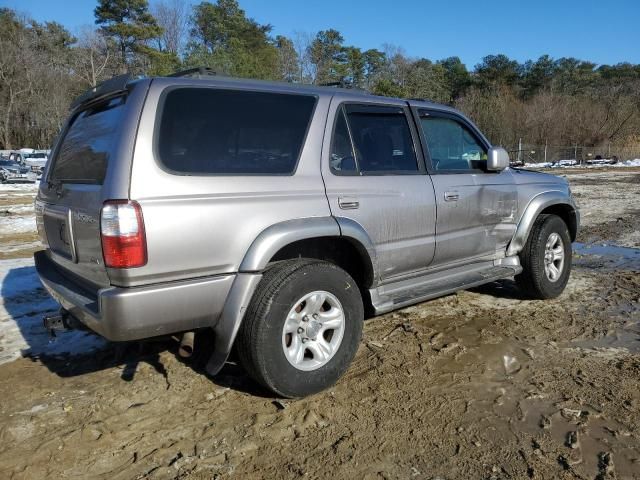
x: 206, y: 131
x: 84, y: 153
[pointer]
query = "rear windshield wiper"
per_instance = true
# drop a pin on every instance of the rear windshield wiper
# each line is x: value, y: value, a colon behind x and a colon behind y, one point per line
x: 56, y: 186
x: 53, y: 183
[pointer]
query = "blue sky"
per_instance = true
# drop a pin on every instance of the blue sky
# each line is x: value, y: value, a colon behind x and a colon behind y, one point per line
x: 600, y: 31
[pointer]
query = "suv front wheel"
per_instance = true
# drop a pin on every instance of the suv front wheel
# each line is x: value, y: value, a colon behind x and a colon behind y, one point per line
x: 546, y: 258
x: 302, y: 328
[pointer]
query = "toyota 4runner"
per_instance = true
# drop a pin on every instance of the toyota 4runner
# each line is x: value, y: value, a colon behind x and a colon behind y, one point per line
x: 280, y: 216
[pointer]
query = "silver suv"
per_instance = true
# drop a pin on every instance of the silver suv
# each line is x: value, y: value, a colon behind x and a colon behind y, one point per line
x: 280, y: 216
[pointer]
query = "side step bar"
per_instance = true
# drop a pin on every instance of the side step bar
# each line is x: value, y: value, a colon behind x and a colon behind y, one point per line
x: 429, y: 288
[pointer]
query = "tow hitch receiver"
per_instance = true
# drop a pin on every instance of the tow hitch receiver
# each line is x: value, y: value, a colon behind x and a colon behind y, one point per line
x: 59, y: 322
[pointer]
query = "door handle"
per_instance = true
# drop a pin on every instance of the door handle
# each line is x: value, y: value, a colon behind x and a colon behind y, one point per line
x: 451, y: 196
x: 346, y: 203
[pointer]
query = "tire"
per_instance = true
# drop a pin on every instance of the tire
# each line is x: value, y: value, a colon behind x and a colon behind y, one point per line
x: 538, y: 279
x: 261, y: 343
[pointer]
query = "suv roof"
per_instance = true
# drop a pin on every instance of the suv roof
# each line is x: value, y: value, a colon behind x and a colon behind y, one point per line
x: 319, y: 90
x: 121, y: 82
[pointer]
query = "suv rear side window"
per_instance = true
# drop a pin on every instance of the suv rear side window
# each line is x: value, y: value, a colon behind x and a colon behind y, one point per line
x: 382, y: 141
x: 205, y: 131
x: 85, y: 150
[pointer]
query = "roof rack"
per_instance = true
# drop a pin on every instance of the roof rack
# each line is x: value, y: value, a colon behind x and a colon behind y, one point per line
x: 339, y: 83
x: 195, y: 72
x: 343, y: 84
x: 422, y: 99
x: 113, y: 85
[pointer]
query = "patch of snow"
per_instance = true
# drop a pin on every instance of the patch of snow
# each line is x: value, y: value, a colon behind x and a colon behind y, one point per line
x: 628, y: 163
x: 539, y: 165
x: 574, y: 164
x: 19, y: 209
x: 31, y: 188
x: 16, y: 246
x: 23, y: 303
x: 11, y: 224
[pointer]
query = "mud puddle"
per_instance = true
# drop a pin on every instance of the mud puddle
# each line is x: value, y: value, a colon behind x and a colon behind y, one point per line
x: 604, y: 255
x: 621, y: 341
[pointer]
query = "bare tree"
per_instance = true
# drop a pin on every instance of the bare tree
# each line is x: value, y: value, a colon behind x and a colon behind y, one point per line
x: 15, y: 78
x: 306, y: 71
x: 287, y: 59
x: 91, y: 56
x: 398, y: 64
x: 173, y: 17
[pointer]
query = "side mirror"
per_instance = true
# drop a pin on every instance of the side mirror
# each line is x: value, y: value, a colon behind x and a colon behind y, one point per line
x: 497, y: 159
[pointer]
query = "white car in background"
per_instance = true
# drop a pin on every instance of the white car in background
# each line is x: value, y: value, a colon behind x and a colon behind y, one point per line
x: 34, y: 159
x: 567, y: 163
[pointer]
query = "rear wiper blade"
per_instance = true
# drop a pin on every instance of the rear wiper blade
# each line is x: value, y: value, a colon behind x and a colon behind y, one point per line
x: 56, y: 186
x: 53, y: 184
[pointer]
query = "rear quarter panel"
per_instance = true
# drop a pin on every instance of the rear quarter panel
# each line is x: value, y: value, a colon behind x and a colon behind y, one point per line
x: 203, y: 225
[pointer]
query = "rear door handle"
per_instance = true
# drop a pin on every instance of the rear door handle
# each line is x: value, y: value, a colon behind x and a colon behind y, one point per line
x: 451, y: 196
x: 348, y: 203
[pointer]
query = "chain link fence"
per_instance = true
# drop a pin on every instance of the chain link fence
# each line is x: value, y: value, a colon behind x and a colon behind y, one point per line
x: 571, y: 154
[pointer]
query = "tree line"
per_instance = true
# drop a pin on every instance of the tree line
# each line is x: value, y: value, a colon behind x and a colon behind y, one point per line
x: 43, y: 66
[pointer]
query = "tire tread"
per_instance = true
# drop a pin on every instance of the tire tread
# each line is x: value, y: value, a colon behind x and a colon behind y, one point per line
x: 532, y: 280
x: 248, y: 346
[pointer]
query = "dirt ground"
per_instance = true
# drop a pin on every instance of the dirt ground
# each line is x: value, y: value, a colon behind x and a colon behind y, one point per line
x: 480, y: 384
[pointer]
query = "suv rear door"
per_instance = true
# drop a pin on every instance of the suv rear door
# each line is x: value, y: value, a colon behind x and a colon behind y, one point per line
x: 374, y: 175
x: 89, y: 165
x: 476, y: 209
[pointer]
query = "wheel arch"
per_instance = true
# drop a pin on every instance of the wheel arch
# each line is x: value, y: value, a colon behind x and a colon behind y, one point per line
x: 551, y: 202
x: 338, y: 240
x: 275, y: 237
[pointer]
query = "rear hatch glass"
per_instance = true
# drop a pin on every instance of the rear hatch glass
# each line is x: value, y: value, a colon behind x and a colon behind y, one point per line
x: 84, y: 153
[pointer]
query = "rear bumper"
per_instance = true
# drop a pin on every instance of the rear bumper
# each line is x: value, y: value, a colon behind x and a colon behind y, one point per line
x: 121, y: 314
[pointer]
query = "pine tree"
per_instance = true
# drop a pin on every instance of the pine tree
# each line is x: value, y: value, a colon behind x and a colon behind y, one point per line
x: 129, y: 24
x: 225, y: 39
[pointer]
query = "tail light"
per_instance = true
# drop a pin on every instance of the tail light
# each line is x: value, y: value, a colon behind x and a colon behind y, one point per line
x: 124, y: 244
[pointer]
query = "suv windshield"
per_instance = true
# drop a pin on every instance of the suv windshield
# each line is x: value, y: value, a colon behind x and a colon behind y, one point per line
x: 85, y: 151
x: 35, y: 155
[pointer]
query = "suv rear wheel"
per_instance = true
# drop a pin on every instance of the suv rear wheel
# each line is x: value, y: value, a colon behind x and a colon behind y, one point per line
x: 546, y: 258
x: 302, y: 328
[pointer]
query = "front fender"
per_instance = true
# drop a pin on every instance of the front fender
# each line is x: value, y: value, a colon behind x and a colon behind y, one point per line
x: 535, y: 206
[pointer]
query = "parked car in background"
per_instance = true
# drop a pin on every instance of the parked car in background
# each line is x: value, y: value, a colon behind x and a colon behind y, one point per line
x: 13, y: 172
x: 567, y: 163
x: 28, y: 157
x: 599, y: 160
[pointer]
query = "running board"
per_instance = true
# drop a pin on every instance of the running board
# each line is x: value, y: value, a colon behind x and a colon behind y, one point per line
x: 435, y: 285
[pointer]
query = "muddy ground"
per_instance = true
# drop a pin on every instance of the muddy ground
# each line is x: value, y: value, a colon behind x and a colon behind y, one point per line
x: 481, y: 384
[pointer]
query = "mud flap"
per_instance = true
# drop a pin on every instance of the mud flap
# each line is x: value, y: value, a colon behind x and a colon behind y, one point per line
x: 229, y: 323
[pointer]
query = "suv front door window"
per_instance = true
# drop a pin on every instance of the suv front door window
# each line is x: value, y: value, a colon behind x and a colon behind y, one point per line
x: 451, y: 145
